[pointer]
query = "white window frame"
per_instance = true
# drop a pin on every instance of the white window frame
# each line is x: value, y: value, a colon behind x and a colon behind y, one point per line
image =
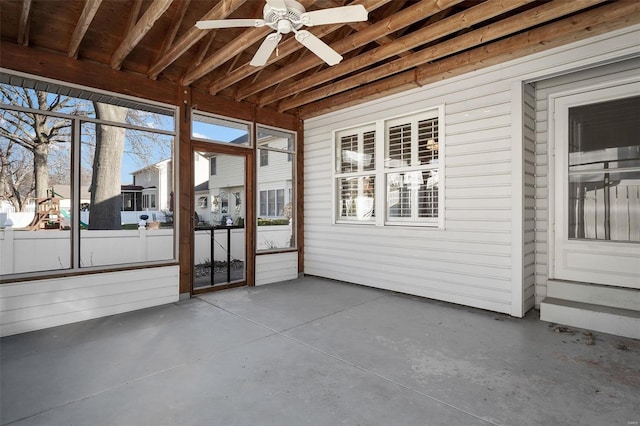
x: 414, y: 168
x: 380, y: 126
x: 359, y: 174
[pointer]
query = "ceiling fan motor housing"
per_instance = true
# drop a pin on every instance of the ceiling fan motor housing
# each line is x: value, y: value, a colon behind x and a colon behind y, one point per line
x: 284, y: 22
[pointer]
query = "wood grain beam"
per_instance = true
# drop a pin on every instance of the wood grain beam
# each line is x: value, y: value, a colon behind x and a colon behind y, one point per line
x: 133, y: 15
x: 88, y: 12
x: 361, y: 26
x: 220, y: 11
x: 285, y: 49
x: 203, y: 49
x: 142, y: 27
x: 437, y: 30
x: 176, y: 22
x: 90, y: 74
x: 505, y: 27
x: 23, y: 25
x: 606, y: 18
x: 381, y: 28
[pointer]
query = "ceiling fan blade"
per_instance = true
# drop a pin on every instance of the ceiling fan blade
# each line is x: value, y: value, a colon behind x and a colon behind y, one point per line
x: 335, y: 15
x: 319, y: 47
x: 229, y: 23
x: 277, y: 5
x: 266, y: 49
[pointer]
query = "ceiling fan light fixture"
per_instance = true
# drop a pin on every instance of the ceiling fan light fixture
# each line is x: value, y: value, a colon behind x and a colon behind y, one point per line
x: 285, y: 16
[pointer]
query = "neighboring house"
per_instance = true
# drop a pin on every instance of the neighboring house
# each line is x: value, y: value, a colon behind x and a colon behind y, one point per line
x: 274, y: 177
x: 151, y: 189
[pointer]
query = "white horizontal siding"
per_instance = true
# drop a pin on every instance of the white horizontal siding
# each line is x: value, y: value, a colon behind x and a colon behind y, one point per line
x: 34, y: 305
x: 471, y: 260
x: 276, y: 267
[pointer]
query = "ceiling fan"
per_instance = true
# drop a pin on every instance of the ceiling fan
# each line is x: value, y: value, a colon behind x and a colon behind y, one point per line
x: 286, y: 16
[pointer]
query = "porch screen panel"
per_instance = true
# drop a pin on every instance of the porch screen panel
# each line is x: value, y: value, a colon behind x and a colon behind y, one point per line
x: 36, y: 193
x: 276, y: 183
x: 117, y: 225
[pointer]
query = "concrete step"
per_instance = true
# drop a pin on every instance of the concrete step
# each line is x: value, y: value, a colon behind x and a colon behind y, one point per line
x: 596, y: 294
x: 606, y: 319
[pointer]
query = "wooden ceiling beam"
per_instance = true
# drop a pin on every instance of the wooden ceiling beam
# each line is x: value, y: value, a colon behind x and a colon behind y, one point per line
x: 238, y: 44
x: 142, y: 27
x: 437, y: 30
x: 88, y: 12
x: 220, y: 11
x: 361, y: 26
x: 204, y: 48
x: 133, y: 15
x: 23, y: 25
x: 285, y: 49
x: 608, y: 17
x: 505, y: 27
x: 381, y: 28
x: 176, y: 22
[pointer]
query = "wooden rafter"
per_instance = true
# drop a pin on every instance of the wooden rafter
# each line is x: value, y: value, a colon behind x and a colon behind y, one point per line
x: 505, y: 27
x: 88, y: 12
x: 176, y: 22
x: 142, y: 27
x: 285, y: 49
x: 133, y: 15
x: 204, y: 48
x: 442, y: 28
x: 606, y: 18
x: 23, y: 25
x: 220, y: 11
x: 247, y: 38
x: 361, y: 26
x: 384, y: 27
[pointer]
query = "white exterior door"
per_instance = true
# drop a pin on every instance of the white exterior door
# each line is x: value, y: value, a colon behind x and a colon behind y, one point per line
x: 595, y: 211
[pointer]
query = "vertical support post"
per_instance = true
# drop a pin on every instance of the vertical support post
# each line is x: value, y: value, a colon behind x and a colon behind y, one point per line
x: 213, y: 258
x: 228, y: 254
x: 183, y: 187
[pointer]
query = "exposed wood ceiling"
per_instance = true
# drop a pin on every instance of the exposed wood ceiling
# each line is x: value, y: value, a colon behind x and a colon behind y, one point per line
x: 404, y: 44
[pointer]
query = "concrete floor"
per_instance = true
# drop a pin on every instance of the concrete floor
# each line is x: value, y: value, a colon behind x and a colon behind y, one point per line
x: 317, y: 352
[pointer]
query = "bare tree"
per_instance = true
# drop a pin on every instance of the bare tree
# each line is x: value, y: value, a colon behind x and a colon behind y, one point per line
x: 107, y: 165
x: 16, y: 179
x: 33, y: 133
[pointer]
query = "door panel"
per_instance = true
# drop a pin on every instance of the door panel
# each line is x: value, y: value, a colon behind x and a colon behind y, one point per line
x: 219, y: 220
x: 596, y: 139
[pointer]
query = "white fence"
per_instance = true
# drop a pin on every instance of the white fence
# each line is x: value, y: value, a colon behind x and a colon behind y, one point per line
x: 23, y: 219
x: 32, y: 251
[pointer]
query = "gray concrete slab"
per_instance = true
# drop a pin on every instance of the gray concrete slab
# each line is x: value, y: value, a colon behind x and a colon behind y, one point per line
x: 317, y: 352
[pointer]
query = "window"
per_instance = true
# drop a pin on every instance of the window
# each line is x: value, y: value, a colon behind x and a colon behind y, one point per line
x: 212, y: 166
x: 411, y: 169
x: 210, y: 128
x: 276, y: 199
x: 264, y: 157
x: 604, y: 171
x: 272, y: 203
x: 148, y: 201
x: 83, y: 186
x: 202, y: 202
x: 404, y: 182
x: 355, y: 172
